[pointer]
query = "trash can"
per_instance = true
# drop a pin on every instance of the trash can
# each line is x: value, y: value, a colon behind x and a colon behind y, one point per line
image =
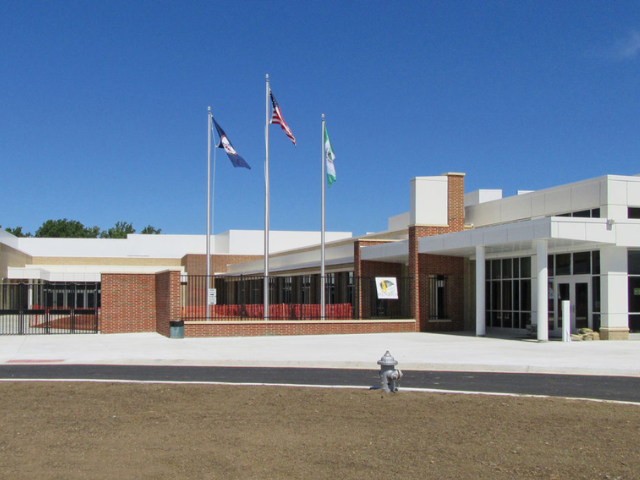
x: 176, y: 329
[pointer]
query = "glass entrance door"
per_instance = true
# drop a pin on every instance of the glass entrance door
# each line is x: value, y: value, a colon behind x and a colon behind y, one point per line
x: 577, y: 290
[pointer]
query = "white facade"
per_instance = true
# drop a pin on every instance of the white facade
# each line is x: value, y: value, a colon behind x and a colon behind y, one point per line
x: 535, y: 224
x: 562, y: 224
x: 85, y: 259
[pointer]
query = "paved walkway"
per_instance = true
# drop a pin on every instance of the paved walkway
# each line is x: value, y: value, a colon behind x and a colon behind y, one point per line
x: 414, y: 351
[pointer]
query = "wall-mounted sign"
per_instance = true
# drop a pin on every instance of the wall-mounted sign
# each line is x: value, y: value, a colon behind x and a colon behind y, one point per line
x: 387, y: 288
x: 212, y: 297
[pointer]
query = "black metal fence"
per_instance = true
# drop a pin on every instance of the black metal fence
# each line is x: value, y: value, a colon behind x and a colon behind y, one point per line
x: 292, y: 298
x: 49, y: 308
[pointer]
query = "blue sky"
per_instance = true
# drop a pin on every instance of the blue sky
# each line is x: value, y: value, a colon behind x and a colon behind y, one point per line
x: 104, y: 105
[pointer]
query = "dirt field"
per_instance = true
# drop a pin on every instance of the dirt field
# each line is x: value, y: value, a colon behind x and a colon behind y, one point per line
x: 130, y: 431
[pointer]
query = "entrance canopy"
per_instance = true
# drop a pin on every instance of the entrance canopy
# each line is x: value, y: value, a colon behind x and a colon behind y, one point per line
x: 515, y: 238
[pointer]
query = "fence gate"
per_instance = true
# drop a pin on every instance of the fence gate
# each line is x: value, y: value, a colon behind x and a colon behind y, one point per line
x: 49, y: 308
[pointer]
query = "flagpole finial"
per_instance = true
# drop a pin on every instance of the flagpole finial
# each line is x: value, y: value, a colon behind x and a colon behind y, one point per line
x: 323, y: 116
x: 209, y: 108
x: 267, y: 76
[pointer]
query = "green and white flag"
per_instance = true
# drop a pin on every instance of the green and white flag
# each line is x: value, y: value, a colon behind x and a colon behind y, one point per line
x: 330, y: 156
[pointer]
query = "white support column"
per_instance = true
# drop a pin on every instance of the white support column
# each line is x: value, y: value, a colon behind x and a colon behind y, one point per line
x: 480, y: 292
x: 543, y: 291
x: 614, y: 293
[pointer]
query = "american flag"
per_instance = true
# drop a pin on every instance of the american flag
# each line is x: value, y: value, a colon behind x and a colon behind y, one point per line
x: 276, y: 117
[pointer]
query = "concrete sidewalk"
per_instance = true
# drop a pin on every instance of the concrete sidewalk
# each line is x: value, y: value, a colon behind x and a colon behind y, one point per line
x: 414, y: 351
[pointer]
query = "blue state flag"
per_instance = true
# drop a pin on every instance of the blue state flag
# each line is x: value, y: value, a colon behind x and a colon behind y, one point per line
x: 224, y: 142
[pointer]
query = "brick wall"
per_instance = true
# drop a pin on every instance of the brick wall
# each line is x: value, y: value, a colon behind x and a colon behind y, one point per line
x: 358, y: 270
x: 327, y: 327
x: 453, y: 269
x: 418, y: 267
x: 133, y: 303
x: 128, y: 303
x: 374, y: 269
x: 167, y: 300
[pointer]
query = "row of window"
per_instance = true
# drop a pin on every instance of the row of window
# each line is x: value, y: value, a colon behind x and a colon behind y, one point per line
x: 577, y: 263
x: 633, y: 212
x: 592, y: 213
x: 508, y: 285
x: 508, y: 268
x: 50, y: 295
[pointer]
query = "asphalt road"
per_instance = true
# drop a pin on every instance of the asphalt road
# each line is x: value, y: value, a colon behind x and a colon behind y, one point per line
x: 625, y: 389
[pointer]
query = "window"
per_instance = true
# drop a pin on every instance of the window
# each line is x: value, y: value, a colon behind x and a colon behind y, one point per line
x: 634, y: 212
x: 437, y: 297
x: 506, y: 268
x: 577, y: 263
x: 508, y: 292
x: 525, y: 267
x: 581, y: 263
x: 287, y: 290
x: 582, y: 214
x: 330, y: 288
x: 634, y: 262
x: 563, y: 264
x: 591, y: 213
x: 595, y: 262
x: 634, y: 294
x: 306, y: 289
x: 351, y: 289
x: 634, y: 290
x: 496, y: 269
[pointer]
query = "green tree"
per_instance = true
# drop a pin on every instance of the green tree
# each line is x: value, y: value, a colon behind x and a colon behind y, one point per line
x: 66, y: 229
x: 149, y: 230
x: 121, y: 230
x: 17, y: 232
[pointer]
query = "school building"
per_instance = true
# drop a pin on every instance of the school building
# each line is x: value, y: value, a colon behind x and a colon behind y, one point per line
x: 456, y: 261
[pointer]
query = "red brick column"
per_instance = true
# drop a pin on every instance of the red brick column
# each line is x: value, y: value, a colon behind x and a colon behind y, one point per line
x: 167, y: 300
x: 357, y: 274
x: 415, y: 232
x: 417, y: 268
x: 455, y: 192
x: 128, y: 303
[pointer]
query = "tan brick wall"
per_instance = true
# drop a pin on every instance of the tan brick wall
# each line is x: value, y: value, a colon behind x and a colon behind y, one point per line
x: 10, y: 257
x: 196, y: 264
x: 616, y: 333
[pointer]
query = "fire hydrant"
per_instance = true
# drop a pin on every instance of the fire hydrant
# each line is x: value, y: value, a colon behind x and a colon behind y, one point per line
x: 388, y: 374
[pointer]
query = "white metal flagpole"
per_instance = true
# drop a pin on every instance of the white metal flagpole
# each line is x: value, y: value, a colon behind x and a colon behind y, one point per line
x: 208, y: 209
x: 266, y: 207
x: 323, y: 281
